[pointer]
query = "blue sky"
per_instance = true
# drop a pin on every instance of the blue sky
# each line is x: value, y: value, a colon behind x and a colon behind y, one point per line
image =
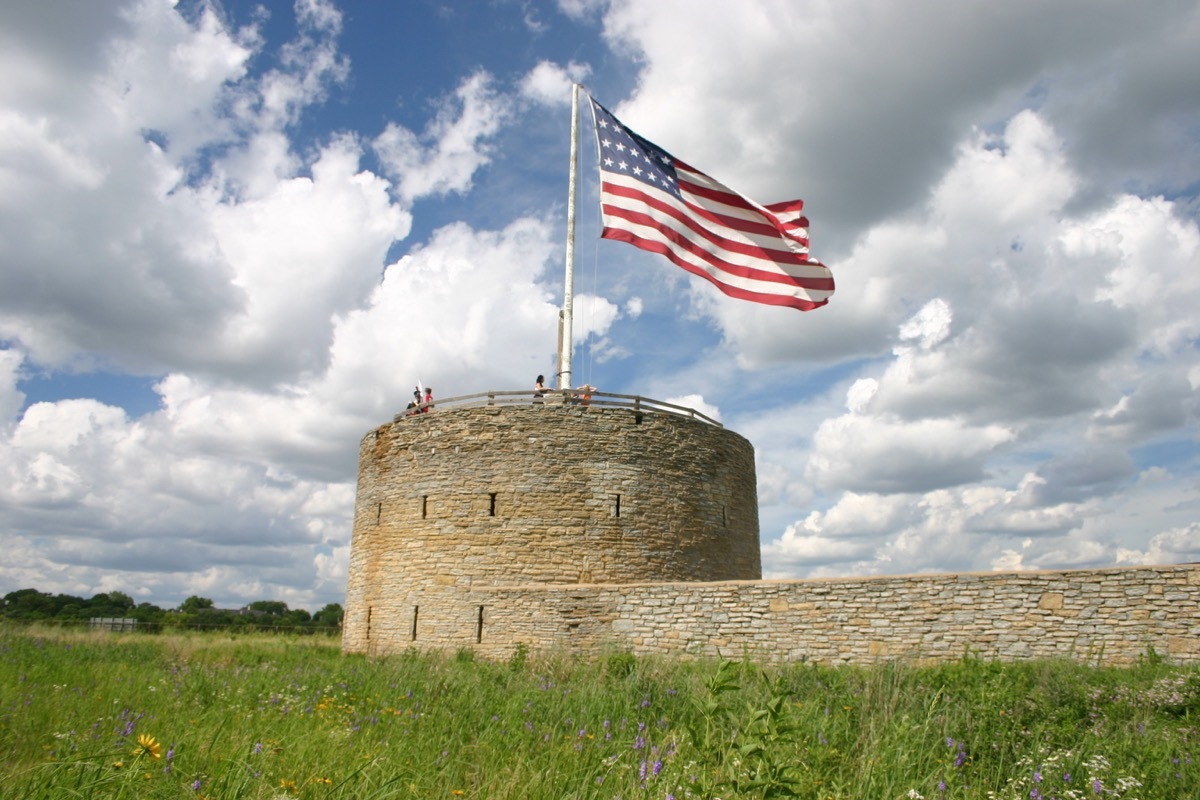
x: 233, y: 236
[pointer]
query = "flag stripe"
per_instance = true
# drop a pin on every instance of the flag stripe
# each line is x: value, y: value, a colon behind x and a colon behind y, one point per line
x: 739, y: 260
x: 661, y: 205
x: 803, y: 303
x: 766, y: 252
x: 811, y: 279
x: 724, y: 208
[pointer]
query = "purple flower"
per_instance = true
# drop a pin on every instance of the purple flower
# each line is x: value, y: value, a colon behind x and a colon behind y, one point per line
x: 1097, y: 787
x: 642, y: 772
x: 942, y: 786
x: 1037, y: 776
x: 257, y: 748
x: 657, y: 768
x: 639, y: 743
x: 196, y: 785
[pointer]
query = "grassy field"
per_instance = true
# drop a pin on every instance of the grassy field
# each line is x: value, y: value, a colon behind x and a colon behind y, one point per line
x: 221, y: 716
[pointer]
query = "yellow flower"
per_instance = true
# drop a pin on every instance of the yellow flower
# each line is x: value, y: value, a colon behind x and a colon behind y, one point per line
x: 118, y: 764
x: 147, y: 746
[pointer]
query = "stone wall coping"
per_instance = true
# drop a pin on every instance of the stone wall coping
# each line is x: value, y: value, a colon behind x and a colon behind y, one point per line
x: 770, y: 582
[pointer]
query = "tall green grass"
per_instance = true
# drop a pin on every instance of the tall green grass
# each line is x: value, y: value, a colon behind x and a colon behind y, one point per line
x: 222, y: 716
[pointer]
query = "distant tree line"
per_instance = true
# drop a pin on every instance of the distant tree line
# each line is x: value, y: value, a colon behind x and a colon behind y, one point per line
x: 30, y: 605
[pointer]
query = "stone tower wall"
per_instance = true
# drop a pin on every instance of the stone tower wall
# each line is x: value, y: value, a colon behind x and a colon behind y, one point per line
x: 464, y: 498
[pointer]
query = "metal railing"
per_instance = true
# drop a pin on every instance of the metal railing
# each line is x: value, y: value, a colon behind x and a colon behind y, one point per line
x: 557, y: 398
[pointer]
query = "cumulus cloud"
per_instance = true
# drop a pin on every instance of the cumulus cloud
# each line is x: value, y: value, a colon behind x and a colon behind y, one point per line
x: 446, y: 155
x: 550, y: 84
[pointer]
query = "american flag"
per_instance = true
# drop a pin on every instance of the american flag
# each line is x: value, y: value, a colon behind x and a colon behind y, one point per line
x: 656, y: 202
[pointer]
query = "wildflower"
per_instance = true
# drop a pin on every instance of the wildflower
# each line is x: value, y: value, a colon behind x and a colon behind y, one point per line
x: 913, y: 794
x: 657, y: 768
x: 196, y: 785
x: 147, y: 746
x: 118, y: 764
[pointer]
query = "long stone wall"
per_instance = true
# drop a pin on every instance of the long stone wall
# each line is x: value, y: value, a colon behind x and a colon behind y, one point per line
x: 1103, y: 616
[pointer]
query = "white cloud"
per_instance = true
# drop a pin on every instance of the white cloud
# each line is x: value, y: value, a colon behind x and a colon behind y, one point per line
x: 550, y: 84
x: 883, y: 453
x: 1175, y: 546
x: 456, y: 142
x: 697, y: 402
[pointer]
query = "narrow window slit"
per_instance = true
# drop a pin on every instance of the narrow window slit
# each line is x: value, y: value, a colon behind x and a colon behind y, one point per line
x: 479, y: 627
x: 378, y: 512
x: 424, y: 505
x: 492, y: 504
x: 416, y: 610
x: 616, y: 505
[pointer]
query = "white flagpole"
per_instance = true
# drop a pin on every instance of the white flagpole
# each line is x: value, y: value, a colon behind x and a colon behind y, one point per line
x: 565, y: 335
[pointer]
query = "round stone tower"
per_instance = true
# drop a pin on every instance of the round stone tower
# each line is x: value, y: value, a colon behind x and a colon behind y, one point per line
x: 471, y: 496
